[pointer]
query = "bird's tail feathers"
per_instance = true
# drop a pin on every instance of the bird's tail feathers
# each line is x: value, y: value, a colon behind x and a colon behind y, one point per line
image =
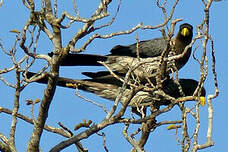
x: 81, y: 59
x: 87, y: 84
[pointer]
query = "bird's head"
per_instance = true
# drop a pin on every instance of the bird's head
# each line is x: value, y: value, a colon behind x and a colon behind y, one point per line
x: 185, y: 32
x: 189, y: 86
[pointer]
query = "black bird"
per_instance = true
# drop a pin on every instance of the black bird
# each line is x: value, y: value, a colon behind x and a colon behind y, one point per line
x: 105, y: 89
x: 148, y: 48
x: 123, y: 57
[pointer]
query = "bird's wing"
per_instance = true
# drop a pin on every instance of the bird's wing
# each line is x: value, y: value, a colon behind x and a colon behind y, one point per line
x: 148, y: 48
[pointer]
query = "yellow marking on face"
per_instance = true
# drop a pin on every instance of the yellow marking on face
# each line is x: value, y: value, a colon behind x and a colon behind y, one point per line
x: 185, y: 31
x: 202, y: 101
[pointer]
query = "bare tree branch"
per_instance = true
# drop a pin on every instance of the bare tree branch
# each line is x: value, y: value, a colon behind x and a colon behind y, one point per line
x: 132, y: 141
x: 46, y: 21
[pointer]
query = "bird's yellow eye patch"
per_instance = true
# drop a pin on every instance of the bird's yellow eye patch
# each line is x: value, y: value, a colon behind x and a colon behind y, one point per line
x: 185, y: 31
x: 202, y: 101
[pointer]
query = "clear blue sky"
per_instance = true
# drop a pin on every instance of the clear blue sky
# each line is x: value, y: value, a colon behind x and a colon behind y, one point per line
x: 70, y: 110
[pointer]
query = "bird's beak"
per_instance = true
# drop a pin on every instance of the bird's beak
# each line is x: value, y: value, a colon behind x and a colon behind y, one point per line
x: 185, y: 31
x: 202, y: 100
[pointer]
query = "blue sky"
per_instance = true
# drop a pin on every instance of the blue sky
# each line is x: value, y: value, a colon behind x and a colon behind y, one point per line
x: 70, y: 110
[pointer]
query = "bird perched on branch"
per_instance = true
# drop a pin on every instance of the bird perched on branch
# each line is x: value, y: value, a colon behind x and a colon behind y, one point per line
x: 107, y: 89
x: 123, y: 58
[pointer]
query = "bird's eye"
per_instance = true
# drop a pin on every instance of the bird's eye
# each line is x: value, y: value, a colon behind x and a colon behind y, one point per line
x: 185, y: 31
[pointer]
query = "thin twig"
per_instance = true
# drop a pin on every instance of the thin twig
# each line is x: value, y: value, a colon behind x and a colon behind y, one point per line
x: 132, y: 141
x: 91, y: 101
